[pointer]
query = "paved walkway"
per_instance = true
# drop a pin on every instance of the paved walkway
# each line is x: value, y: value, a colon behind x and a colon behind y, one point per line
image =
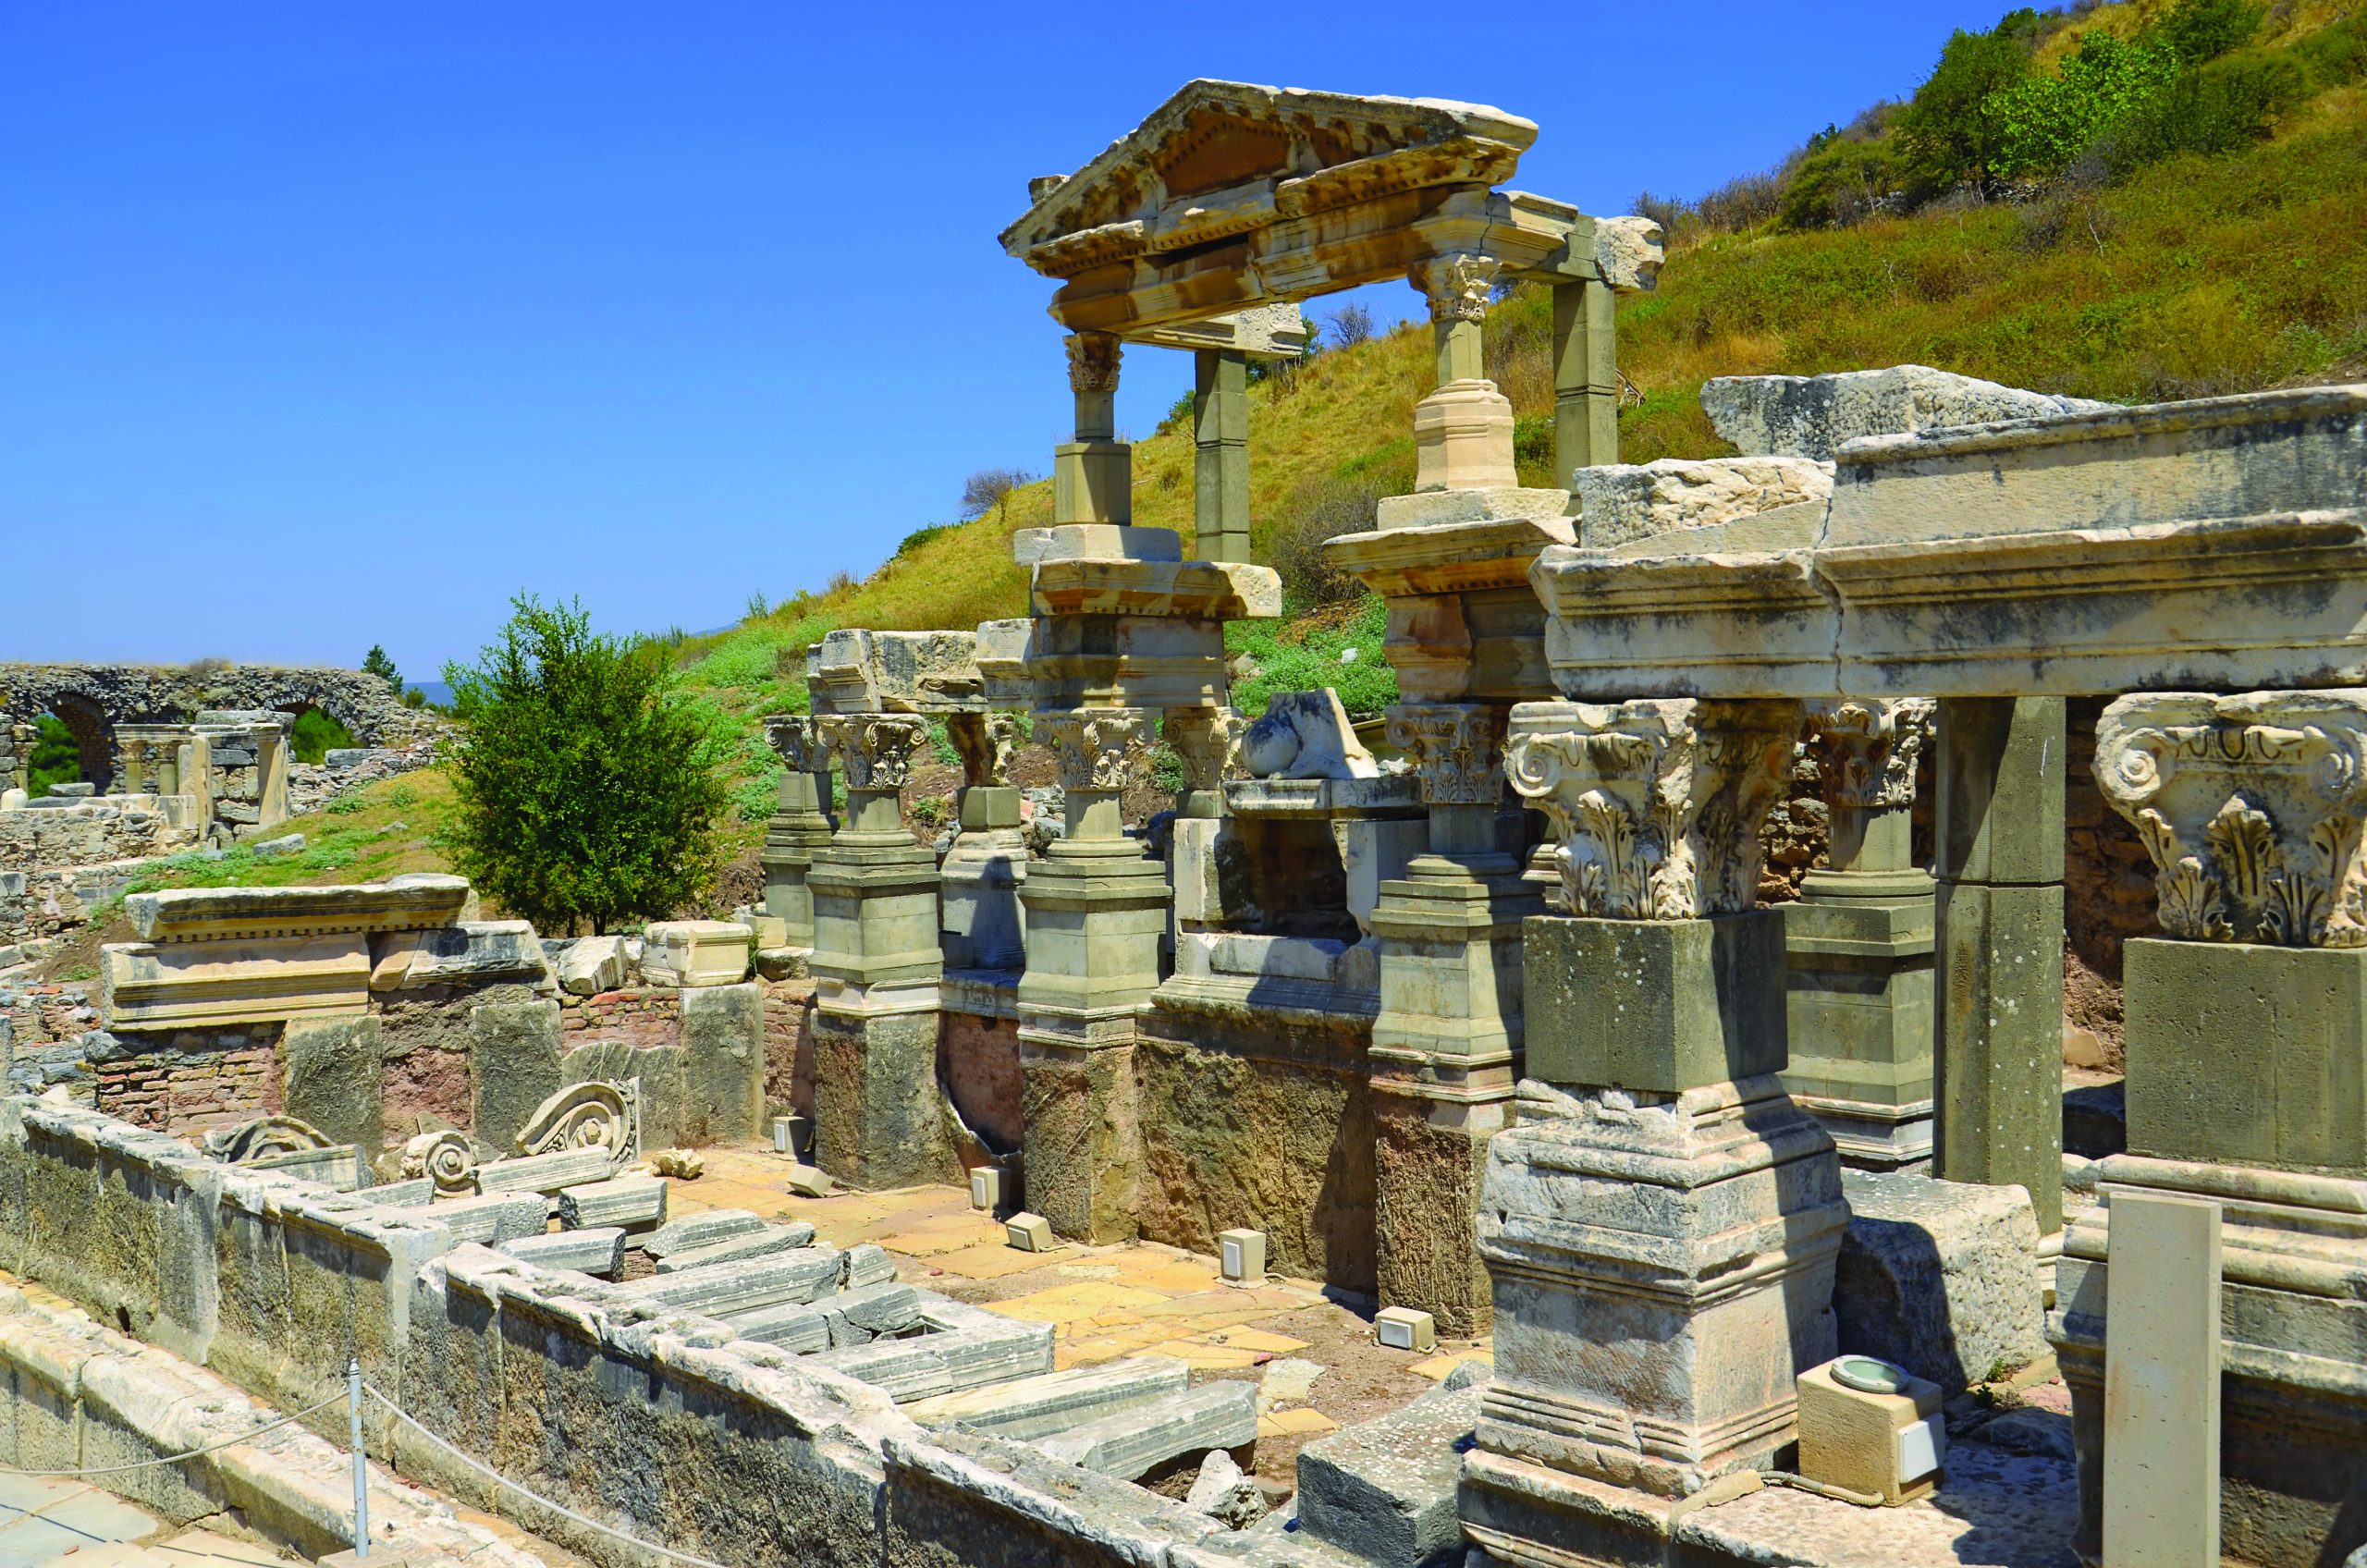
x: 1314, y: 1358
x: 46, y: 1522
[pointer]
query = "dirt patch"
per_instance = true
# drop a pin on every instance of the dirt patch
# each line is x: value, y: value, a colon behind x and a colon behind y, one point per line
x: 76, y: 957
x: 1360, y: 1379
x: 424, y: 1089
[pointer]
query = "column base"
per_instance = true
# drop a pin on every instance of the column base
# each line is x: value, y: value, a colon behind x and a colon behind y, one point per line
x: 2293, y: 1356
x: 1451, y: 984
x: 1094, y: 925
x: 880, y: 1116
x: 1858, y: 999
x: 874, y: 912
x: 1662, y: 1268
x: 1524, y: 1515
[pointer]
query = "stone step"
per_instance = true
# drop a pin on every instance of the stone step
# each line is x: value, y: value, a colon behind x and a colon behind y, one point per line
x: 693, y: 1232
x: 1128, y: 1442
x: 1039, y: 1406
x: 599, y: 1251
x: 754, y: 1243
x: 632, y: 1202
x: 793, y: 1326
x: 965, y: 1347
x: 720, y: 1289
x: 492, y: 1219
x: 545, y: 1173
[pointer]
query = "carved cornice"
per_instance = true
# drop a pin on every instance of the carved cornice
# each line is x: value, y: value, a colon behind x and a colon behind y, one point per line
x: 1207, y: 741
x: 1458, y: 286
x: 1095, y: 749
x: 1866, y: 750
x: 2251, y: 808
x: 1455, y: 749
x: 875, y: 749
x: 1093, y: 361
x: 799, y: 741
x: 984, y: 741
x: 1657, y: 803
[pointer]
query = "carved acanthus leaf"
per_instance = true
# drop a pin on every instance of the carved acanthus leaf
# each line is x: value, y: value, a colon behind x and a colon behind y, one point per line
x: 1093, y: 361
x: 1208, y: 742
x: 799, y: 741
x: 1455, y: 749
x: 1458, y: 286
x: 1866, y: 750
x: 2251, y: 808
x: 875, y: 749
x: 1096, y: 749
x: 1657, y: 803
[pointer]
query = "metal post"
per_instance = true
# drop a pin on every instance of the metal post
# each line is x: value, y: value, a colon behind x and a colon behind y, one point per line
x: 361, y: 1459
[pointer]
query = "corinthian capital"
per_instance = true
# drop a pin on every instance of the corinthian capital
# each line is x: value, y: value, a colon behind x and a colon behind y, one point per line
x: 2251, y: 808
x: 1657, y: 803
x: 1453, y: 748
x: 875, y: 749
x: 1093, y: 361
x: 1208, y: 742
x: 1457, y: 287
x: 1866, y: 749
x: 985, y: 742
x: 1096, y: 749
x: 799, y: 741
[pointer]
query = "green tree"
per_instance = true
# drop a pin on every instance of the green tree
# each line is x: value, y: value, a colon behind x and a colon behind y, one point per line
x: 2046, y: 121
x: 314, y: 734
x: 589, y: 788
x: 55, y: 758
x: 1946, y: 134
x: 2204, y: 30
x: 376, y: 662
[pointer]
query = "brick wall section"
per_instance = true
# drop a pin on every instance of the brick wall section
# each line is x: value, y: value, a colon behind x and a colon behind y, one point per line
x: 789, y: 1047
x: 52, y: 1011
x: 652, y: 1017
x: 200, y: 1080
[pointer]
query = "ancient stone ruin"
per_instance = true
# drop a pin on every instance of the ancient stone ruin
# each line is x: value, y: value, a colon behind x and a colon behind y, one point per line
x: 1483, y: 1021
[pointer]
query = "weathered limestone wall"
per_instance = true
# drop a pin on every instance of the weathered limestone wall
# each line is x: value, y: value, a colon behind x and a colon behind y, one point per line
x: 657, y: 1421
x: 158, y: 695
x: 1260, y: 1120
x: 980, y: 1057
x: 789, y: 1047
x: 89, y: 832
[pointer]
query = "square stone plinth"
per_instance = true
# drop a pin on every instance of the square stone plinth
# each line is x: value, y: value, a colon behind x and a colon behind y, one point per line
x: 1658, y: 1005
x: 2244, y: 1055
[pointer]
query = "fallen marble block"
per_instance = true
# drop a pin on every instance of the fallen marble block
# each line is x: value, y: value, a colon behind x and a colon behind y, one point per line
x: 1939, y: 1277
x: 877, y: 1309
x: 966, y: 1346
x: 1038, y: 1406
x: 492, y: 1219
x: 630, y: 1202
x: 754, y: 1243
x: 1384, y: 1489
x: 600, y: 1251
x: 719, y: 1290
x: 401, y: 1195
x: 791, y: 1326
x: 867, y: 1263
x: 1132, y: 1441
x: 695, y: 1230
x: 544, y: 1173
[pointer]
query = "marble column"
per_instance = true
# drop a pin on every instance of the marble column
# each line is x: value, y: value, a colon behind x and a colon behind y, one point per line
x: 987, y: 863
x: 1446, y: 1044
x: 1660, y: 1222
x: 879, y: 1116
x: 1097, y: 908
x: 1861, y: 941
x: 1092, y: 475
x: 1997, y: 1048
x: 800, y: 827
x: 1220, y: 457
x: 1462, y: 431
x: 2247, y: 1085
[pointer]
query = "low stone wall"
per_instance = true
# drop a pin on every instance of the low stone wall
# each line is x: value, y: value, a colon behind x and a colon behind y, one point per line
x: 89, y: 832
x: 656, y: 1422
x: 640, y: 1017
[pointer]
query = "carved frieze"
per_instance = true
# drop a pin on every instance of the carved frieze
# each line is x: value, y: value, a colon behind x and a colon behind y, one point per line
x: 1096, y: 749
x: 1657, y: 803
x: 593, y: 1114
x: 1453, y: 748
x: 2252, y: 807
x: 245, y: 1142
x: 446, y: 1158
x: 1866, y: 749
x: 875, y: 749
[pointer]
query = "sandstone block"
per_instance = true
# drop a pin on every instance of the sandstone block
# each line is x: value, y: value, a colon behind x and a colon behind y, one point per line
x: 696, y: 952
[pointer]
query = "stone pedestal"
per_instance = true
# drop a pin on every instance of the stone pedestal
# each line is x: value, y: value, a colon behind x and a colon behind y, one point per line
x: 1998, y: 1045
x: 878, y: 1113
x: 799, y: 828
x: 1860, y: 943
x: 1661, y: 1224
x: 1095, y: 912
x: 2247, y: 1085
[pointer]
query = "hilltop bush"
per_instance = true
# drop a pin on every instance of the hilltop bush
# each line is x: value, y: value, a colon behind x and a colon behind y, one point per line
x: 1320, y: 509
x: 589, y: 789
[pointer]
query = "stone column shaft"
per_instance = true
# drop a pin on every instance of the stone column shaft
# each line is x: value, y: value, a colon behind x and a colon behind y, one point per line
x: 1586, y: 378
x: 1998, y: 1030
x: 801, y: 828
x: 1221, y: 462
x: 987, y: 863
x: 1092, y: 475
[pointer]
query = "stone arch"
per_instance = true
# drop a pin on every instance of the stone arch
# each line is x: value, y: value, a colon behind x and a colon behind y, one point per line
x: 93, y: 734
x: 114, y: 694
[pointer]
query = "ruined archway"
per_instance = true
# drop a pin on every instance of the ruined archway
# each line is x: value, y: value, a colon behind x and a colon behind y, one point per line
x: 88, y: 730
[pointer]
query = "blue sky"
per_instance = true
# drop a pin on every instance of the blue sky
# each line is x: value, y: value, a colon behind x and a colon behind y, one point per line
x: 323, y: 325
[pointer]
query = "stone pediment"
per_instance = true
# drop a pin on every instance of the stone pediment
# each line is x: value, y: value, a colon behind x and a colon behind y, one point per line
x: 1222, y: 157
